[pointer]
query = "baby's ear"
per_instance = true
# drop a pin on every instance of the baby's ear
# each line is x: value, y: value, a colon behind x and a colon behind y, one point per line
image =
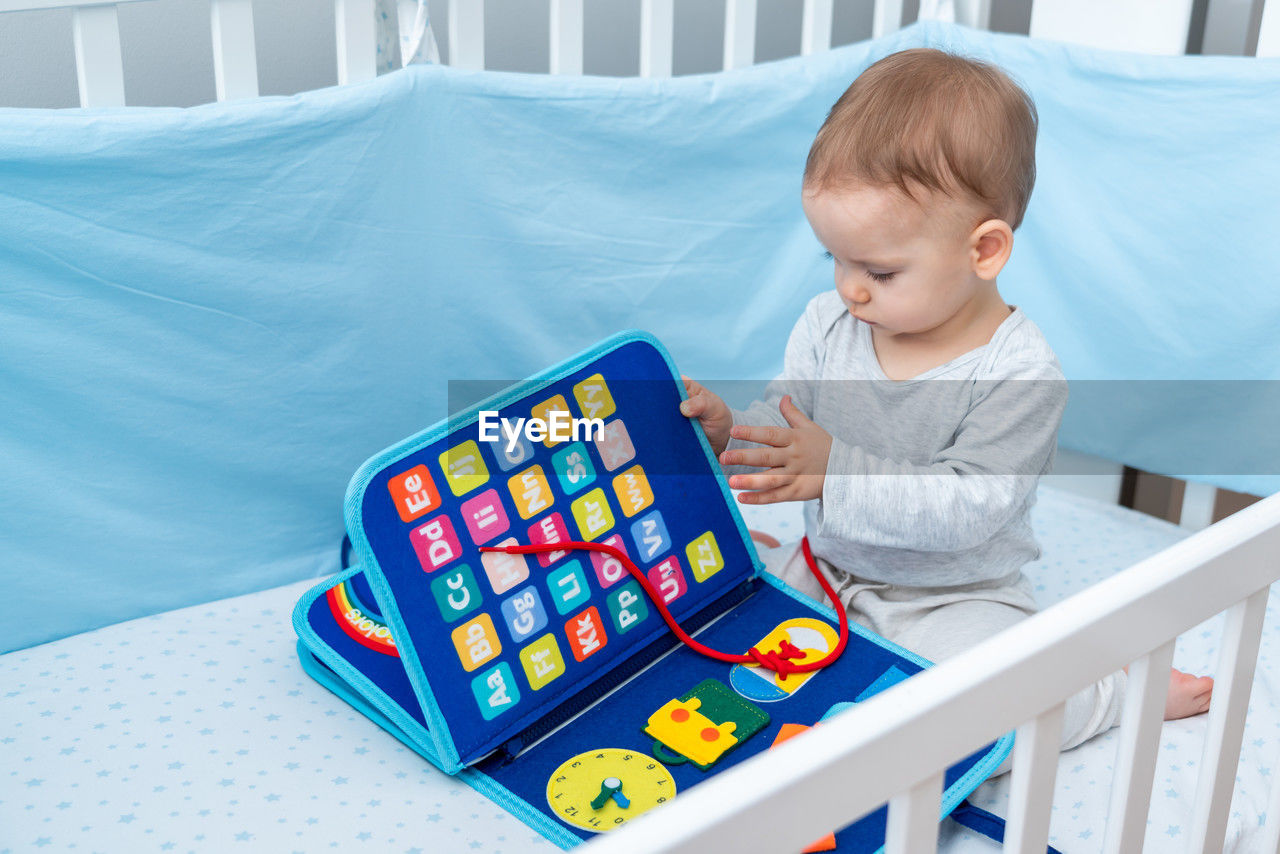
x: 990, y: 244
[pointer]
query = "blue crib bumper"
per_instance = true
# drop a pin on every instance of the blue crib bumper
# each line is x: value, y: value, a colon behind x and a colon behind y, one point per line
x: 211, y: 316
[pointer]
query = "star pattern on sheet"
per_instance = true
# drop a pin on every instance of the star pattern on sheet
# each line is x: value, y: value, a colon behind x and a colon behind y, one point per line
x: 122, y: 738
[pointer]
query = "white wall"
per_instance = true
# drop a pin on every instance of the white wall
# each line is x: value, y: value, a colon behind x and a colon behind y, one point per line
x: 168, y: 62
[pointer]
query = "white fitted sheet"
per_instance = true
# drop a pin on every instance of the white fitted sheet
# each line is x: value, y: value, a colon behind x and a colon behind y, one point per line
x: 196, y: 730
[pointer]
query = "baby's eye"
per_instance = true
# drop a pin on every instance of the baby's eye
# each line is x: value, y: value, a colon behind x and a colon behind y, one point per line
x: 880, y: 277
x: 828, y: 256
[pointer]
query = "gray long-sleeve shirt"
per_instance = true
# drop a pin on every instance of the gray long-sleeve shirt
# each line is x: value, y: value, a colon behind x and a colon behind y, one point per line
x: 931, y: 480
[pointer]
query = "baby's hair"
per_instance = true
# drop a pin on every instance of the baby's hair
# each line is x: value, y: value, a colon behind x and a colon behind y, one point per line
x: 935, y: 120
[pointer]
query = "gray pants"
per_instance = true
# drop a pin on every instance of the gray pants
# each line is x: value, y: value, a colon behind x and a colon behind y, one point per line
x: 939, y: 622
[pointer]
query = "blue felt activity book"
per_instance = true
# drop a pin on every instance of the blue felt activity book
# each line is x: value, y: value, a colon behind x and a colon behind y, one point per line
x: 549, y: 681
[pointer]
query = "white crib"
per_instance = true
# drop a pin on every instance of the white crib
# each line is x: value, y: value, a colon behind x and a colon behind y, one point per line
x: 1016, y: 681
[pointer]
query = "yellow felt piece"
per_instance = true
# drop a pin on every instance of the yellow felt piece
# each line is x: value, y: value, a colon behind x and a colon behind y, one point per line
x: 576, y: 783
x: 681, y: 727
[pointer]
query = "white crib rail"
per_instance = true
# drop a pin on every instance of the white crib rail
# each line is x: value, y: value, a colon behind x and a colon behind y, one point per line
x: 1159, y: 26
x: 784, y: 798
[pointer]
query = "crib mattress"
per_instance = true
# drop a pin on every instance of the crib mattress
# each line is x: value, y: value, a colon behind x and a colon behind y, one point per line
x: 197, y: 730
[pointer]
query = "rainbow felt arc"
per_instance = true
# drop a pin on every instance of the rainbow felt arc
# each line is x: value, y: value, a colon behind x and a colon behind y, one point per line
x: 358, y: 622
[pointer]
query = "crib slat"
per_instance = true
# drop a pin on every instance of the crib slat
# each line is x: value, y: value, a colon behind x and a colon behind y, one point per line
x: 466, y: 34
x: 657, y: 28
x: 1272, y: 842
x: 566, y: 36
x: 913, y: 819
x: 1144, y: 26
x: 357, y: 41
x: 235, y: 57
x: 1136, y: 755
x: 657, y: 25
x: 1269, y: 30
x: 1035, y: 765
x: 739, y: 33
x: 886, y: 18
x: 815, y: 26
x: 1232, y: 684
x: 974, y: 13
x: 99, y: 68
x: 1197, y: 505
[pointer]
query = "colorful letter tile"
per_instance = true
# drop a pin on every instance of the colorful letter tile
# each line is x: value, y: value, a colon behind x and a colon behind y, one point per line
x: 568, y: 586
x: 668, y: 579
x: 524, y: 613
x: 586, y: 634
x: 457, y: 593
x: 495, y: 691
x: 414, y: 493
x: 557, y: 430
x: 484, y: 516
x: 632, y: 489
x: 436, y: 543
x: 573, y: 467
x: 476, y: 642
x: 530, y: 491
x: 594, y: 398
x: 592, y: 513
x: 509, y: 459
x: 615, y: 446
x: 504, y: 570
x: 549, y: 529
x: 542, y: 661
x: 463, y: 467
x: 627, y: 606
x: 609, y: 570
x: 704, y: 557
x: 650, y: 535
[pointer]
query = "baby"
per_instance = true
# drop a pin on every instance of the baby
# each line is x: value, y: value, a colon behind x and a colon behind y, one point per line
x: 915, y: 406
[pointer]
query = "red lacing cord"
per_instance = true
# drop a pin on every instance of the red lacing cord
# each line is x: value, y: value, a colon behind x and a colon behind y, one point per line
x: 778, y: 660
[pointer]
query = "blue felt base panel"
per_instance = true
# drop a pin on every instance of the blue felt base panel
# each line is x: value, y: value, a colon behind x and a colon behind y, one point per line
x: 615, y: 722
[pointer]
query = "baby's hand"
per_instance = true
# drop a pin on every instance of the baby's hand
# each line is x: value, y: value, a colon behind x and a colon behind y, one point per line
x: 710, y: 410
x: 796, y: 459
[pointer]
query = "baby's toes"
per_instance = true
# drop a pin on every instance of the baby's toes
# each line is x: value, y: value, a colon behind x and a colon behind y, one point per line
x: 1188, y: 695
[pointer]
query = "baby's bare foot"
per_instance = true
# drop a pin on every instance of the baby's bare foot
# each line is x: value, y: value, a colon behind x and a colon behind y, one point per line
x: 1188, y: 695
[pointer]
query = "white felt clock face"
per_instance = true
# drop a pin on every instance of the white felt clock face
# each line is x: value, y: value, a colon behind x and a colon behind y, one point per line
x: 603, y: 789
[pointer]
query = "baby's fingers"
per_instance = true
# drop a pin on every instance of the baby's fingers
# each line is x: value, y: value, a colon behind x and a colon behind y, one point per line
x: 765, y: 496
x: 694, y: 406
x: 760, y: 481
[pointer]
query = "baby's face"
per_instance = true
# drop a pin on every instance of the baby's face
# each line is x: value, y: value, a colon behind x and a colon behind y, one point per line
x: 901, y: 265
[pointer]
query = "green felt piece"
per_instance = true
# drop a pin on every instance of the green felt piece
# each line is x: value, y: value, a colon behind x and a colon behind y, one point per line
x: 719, y: 704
